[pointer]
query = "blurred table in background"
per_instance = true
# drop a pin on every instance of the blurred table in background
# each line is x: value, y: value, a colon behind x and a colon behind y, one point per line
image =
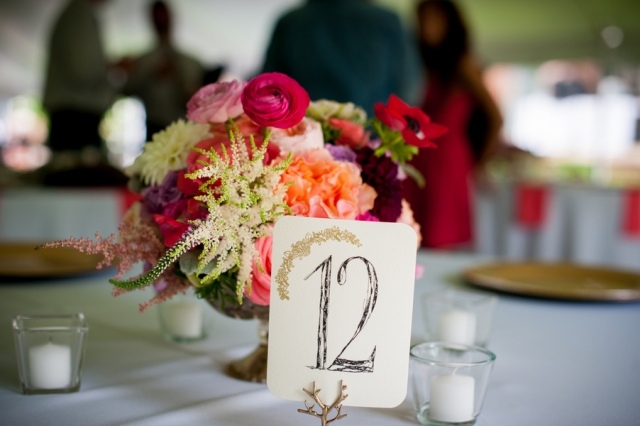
x: 43, y: 214
x: 581, y: 223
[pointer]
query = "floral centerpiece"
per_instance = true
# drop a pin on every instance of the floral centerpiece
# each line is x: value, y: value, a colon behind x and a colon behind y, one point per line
x: 212, y: 186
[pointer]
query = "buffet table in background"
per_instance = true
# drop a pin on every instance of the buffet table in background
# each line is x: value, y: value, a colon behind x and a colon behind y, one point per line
x: 43, y: 214
x: 579, y: 223
x: 558, y: 362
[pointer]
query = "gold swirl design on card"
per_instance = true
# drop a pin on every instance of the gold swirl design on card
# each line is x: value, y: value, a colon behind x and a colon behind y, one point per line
x: 302, y: 249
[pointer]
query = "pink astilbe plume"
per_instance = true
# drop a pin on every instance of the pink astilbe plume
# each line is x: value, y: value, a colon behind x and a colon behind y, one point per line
x: 174, y: 284
x: 107, y: 247
x: 138, y: 242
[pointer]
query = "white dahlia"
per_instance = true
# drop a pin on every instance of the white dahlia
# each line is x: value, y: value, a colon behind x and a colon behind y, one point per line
x: 168, y: 150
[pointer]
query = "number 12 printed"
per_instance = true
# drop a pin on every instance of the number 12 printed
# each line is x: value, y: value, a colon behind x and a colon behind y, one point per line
x: 341, y: 309
x: 341, y: 364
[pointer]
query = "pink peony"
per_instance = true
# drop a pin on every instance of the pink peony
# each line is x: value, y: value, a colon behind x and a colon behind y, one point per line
x: 216, y: 103
x: 275, y: 100
x: 261, y: 281
x: 320, y: 186
x: 303, y: 136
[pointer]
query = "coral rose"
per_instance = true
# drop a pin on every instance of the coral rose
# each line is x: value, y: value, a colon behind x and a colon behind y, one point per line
x: 261, y: 277
x: 244, y: 124
x: 407, y: 218
x: 351, y: 134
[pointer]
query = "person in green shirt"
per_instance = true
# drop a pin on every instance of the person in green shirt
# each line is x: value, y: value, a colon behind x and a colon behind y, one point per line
x: 347, y: 51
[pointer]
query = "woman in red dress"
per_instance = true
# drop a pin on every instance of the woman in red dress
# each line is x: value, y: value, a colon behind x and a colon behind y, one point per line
x: 456, y: 98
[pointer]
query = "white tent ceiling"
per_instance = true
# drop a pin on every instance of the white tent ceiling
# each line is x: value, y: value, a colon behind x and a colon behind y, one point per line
x: 537, y: 30
x: 234, y: 32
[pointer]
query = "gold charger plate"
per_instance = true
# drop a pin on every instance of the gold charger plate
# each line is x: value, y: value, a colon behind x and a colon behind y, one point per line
x: 557, y: 281
x: 22, y: 260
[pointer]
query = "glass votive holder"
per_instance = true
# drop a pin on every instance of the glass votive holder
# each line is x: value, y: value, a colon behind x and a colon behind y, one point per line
x: 49, y: 350
x: 458, y: 316
x: 182, y: 318
x: 448, y: 382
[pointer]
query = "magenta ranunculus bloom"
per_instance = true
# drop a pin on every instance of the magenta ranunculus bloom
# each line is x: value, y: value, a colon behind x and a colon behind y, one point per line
x: 276, y: 100
x: 216, y: 103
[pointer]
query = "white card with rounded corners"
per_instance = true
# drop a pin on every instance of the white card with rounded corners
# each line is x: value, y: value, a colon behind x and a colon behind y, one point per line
x: 341, y: 308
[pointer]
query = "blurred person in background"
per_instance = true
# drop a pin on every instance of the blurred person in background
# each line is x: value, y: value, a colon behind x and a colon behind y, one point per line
x: 456, y: 97
x: 78, y: 91
x: 164, y: 78
x: 77, y: 88
x: 345, y: 50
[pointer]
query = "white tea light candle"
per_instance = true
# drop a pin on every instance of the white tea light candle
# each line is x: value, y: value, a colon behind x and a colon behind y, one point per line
x: 452, y: 398
x: 449, y: 381
x: 50, y: 366
x: 457, y: 326
x: 184, y: 319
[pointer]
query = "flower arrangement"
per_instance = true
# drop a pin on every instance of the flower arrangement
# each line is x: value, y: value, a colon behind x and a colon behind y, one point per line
x: 212, y: 186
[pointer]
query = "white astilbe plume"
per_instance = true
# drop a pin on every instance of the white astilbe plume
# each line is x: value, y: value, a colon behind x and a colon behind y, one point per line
x: 242, y: 199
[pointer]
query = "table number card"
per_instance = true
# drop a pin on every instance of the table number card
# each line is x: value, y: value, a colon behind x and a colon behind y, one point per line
x: 341, y: 307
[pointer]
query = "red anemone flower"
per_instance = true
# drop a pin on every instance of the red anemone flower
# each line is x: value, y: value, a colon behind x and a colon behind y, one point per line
x: 414, y: 125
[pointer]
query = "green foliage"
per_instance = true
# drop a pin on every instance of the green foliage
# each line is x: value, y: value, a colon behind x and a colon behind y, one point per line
x: 414, y: 174
x: 392, y: 141
x: 222, y: 290
x: 329, y: 133
x: 171, y: 256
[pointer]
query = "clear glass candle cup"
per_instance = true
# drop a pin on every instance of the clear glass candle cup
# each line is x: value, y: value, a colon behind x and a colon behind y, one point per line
x: 50, y: 350
x: 182, y: 318
x: 458, y: 316
x: 448, y: 382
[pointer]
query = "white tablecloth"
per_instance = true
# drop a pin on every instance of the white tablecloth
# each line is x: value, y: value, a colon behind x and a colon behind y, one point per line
x: 558, y: 363
x: 581, y: 224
